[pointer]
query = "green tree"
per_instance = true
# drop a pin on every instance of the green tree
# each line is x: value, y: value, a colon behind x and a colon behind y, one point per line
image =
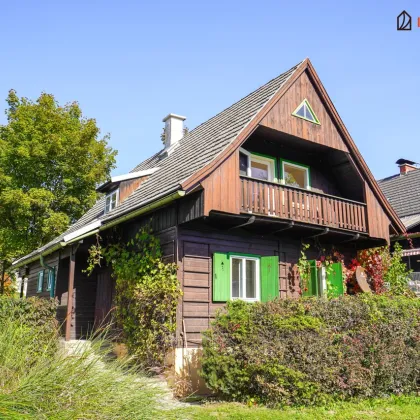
x: 51, y: 160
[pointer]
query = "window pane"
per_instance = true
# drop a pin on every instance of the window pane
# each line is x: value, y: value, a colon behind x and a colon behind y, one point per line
x: 308, y: 114
x: 295, y: 177
x: 251, y: 281
x: 301, y: 111
x: 259, y: 170
x: 243, y: 164
x: 236, y: 278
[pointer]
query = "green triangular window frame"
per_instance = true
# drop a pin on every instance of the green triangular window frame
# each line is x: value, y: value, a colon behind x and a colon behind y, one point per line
x: 307, y: 110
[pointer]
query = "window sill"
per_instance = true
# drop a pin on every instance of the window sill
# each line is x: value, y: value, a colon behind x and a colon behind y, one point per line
x: 246, y: 300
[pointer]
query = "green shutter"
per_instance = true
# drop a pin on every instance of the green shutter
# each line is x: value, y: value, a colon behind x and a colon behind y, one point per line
x: 40, y: 281
x: 221, y: 277
x: 269, y: 278
x: 312, y: 286
x: 335, y: 281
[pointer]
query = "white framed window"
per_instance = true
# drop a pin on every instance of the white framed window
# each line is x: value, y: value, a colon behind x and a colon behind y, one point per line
x: 322, y: 278
x: 40, y: 282
x: 51, y: 275
x: 257, y: 166
x: 295, y: 175
x: 245, y: 278
x: 111, y: 201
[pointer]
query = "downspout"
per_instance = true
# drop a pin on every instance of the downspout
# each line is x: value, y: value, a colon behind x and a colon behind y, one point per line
x: 50, y: 270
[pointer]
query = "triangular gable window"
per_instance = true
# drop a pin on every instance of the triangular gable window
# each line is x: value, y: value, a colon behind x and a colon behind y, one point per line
x: 305, y: 111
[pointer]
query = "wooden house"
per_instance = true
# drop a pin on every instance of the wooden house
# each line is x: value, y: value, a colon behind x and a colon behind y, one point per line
x: 232, y: 201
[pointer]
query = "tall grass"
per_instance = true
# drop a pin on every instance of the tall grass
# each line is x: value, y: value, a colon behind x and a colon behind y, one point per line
x: 47, y: 383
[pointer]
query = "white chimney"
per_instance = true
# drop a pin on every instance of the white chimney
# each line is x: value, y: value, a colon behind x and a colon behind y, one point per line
x: 174, y: 129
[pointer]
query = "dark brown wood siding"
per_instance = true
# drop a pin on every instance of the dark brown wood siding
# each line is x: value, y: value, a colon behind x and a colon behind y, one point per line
x: 34, y: 268
x: 195, y: 254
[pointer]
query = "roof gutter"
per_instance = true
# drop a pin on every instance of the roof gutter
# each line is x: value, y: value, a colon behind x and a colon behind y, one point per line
x: 163, y: 201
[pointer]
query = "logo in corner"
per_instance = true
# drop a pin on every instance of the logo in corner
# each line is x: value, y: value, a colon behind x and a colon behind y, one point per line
x: 404, y: 21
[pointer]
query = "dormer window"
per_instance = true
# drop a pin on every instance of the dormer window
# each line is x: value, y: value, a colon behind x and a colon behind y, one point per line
x: 111, y: 201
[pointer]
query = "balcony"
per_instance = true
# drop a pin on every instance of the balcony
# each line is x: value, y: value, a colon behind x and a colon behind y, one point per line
x: 275, y: 200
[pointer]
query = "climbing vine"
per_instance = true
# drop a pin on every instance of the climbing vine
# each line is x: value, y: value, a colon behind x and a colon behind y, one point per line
x: 324, y: 259
x: 147, y: 292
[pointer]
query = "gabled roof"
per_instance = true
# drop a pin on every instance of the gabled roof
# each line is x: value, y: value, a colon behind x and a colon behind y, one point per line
x: 403, y: 192
x: 196, y: 151
x: 201, y: 151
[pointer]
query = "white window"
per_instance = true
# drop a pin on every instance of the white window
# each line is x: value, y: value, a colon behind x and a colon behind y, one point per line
x: 322, y: 278
x: 256, y: 166
x: 40, y: 282
x: 295, y: 175
x: 245, y: 278
x: 111, y: 201
x: 51, y: 275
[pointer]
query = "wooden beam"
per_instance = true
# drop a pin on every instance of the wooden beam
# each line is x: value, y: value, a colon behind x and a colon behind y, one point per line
x: 70, y: 293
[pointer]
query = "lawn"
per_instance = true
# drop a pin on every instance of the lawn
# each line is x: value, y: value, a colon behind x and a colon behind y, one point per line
x: 392, y: 408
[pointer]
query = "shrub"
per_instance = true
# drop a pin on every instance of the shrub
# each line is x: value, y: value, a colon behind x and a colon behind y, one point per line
x: 34, y: 315
x: 147, y: 293
x: 290, y: 352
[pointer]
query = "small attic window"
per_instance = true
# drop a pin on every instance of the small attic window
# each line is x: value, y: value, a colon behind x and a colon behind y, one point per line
x: 111, y: 201
x: 305, y: 112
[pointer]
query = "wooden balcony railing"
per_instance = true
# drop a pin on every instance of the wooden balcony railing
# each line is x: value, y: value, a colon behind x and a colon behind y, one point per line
x: 266, y: 198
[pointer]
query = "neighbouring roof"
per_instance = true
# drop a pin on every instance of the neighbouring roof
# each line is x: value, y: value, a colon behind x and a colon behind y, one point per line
x: 196, y: 149
x: 403, y: 192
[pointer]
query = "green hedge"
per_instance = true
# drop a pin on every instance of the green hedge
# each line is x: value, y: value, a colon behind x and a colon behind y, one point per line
x: 35, y: 314
x: 311, y: 351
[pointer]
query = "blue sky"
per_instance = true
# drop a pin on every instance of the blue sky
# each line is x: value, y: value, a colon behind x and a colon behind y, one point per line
x: 129, y: 64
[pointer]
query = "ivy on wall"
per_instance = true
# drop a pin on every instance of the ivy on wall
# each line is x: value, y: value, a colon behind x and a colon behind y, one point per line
x: 146, y: 295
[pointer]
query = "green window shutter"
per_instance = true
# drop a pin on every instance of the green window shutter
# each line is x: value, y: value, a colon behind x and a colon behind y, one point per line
x: 40, y: 281
x: 312, y: 285
x: 269, y: 278
x: 335, y: 281
x: 221, y: 277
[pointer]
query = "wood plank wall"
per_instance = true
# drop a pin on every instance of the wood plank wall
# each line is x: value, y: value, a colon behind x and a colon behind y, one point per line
x: 34, y: 269
x: 129, y: 186
x: 378, y: 221
x: 280, y: 116
x: 221, y: 187
x: 195, y: 253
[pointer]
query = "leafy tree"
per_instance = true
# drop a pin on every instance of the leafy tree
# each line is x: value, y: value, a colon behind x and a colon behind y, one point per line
x: 51, y: 160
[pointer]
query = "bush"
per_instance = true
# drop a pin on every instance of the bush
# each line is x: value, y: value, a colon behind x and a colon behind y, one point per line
x: 311, y: 351
x: 146, y: 295
x: 34, y: 315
